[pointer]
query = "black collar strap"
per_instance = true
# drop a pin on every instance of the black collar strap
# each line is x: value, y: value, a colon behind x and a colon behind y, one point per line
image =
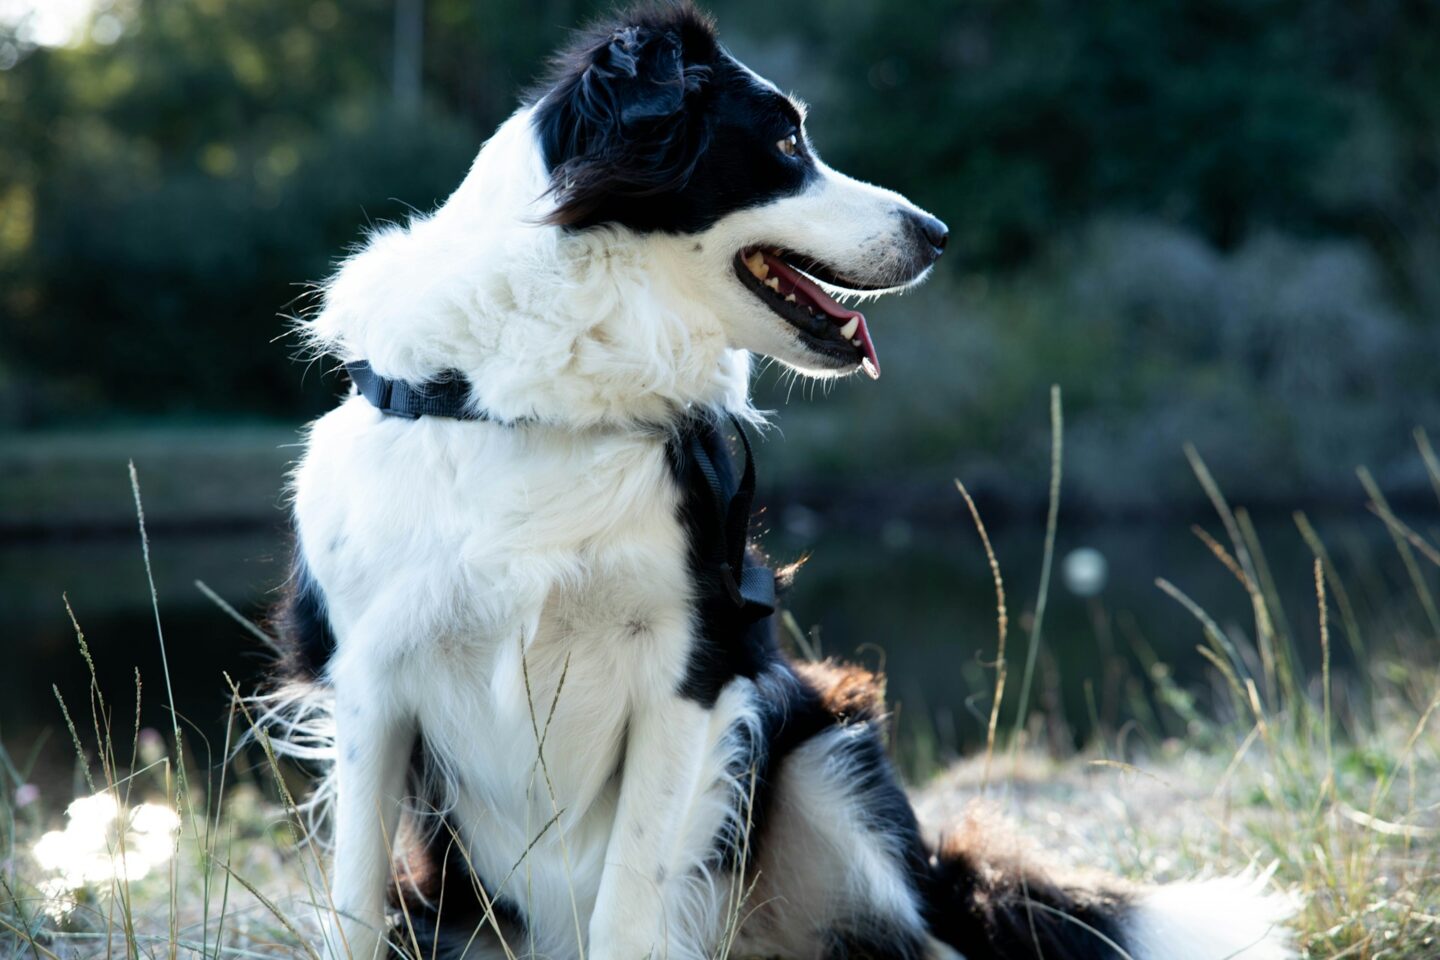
x: 447, y: 396
x: 750, y: 586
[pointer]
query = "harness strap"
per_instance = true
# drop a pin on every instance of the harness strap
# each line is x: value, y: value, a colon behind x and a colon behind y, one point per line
x: 750, y: 587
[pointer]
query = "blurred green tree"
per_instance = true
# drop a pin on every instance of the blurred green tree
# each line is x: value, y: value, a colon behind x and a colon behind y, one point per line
x: 166, y: 193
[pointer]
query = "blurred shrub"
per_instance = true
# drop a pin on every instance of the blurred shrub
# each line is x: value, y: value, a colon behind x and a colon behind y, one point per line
x: 1285, y: 362
x: 161, y: 287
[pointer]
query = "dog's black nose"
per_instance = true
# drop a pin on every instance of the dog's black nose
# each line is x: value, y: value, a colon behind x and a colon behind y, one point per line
x: 934, y: 231
x: 927, y: 238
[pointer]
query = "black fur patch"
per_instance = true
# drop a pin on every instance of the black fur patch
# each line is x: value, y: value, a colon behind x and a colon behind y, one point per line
x: 647, y: 122
x: 990, y: 903
x: 439, y: 905
x: 306, y: 642
x: 442, y: 905
x: 875, y: 942
x: 728, y: 644
x: 887, y: 809
x: 796, y: 702
x: 794, y: 710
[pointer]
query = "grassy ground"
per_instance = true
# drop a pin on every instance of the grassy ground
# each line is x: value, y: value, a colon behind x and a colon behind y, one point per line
x: 1330, y: 784
x: 1358, y: 849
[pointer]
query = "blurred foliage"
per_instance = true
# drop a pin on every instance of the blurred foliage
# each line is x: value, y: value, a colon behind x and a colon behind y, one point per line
x: 1207, y: 219
x: 1284, y: 361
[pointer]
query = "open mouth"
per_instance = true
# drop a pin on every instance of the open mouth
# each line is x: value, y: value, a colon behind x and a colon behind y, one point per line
x: 824, y: 325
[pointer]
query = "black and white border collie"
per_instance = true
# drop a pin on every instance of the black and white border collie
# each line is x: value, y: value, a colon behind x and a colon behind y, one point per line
x: 546, y: 728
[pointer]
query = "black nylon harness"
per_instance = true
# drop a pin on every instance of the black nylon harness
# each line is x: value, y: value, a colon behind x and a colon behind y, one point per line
x: 698, y: 452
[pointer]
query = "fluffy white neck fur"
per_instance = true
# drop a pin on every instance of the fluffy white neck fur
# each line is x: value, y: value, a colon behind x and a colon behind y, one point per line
x: 581, y: 329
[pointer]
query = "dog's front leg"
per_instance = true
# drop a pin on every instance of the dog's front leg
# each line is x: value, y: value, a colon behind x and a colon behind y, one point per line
x: 373, y: 740
x: 664, y: 757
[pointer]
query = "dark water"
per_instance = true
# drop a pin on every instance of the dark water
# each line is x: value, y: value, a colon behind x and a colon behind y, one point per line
x: 105, y: 582
x: 917, y: 601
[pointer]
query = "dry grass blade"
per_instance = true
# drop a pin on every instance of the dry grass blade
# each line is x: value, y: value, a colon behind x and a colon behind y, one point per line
x: 292, y: 810
x: 1336, y: 585
x: 1232, y: 530
x: 1218, y: 549
x: 1216, y: 636
x: 803, y: 644
x: 28, y: 940
x: 275, y: 911
x: 1324, y: 614
x: 1389, y: 829
x: 155, y: 606
x: 549, y: 784
x: 1002, y: 625
x: 1400, y: 528
x: 1052, y: 522
x: 1402, y: 546
x: 486, y: 899
x: 1427, y: 454
x: 235, y: 615
x: 1120, y: 952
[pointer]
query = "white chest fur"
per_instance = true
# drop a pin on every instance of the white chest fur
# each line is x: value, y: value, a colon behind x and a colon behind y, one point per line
x: 467, y: 568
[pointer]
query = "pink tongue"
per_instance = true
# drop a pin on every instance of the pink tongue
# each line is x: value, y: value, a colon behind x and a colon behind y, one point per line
x: 792, y: 280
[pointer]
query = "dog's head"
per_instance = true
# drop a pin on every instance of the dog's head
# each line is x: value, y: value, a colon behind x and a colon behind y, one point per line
x: 651, y: 217
x: 650, y: 124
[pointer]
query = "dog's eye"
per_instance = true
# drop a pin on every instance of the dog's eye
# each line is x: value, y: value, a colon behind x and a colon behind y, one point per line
x: 789, y: 145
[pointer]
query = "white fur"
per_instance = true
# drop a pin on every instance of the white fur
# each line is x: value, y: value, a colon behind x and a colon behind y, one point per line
x: 1231, y: 918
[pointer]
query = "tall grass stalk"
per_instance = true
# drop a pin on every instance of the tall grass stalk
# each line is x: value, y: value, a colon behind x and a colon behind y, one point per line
x: 1052, y: 522
x: 1002, y: 625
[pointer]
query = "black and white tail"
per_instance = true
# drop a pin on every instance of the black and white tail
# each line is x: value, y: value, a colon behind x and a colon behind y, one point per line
x: 988, y: 901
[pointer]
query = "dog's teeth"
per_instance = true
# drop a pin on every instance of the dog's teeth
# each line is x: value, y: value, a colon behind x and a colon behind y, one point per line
x: 756, y: 264
x: 855, y: 342
x: 773, y: 283
x: 790, y: 298
x: 850, y: 327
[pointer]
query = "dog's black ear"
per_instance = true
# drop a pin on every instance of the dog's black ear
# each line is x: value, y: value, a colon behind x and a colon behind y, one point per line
x: 617, y: 123
x: 644, y: 74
